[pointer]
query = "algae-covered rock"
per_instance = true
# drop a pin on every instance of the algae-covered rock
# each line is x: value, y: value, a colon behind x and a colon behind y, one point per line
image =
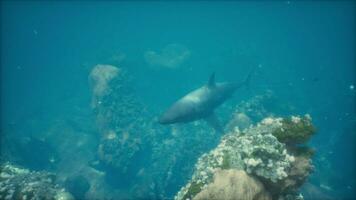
x: 120, y: 120
x: 118, y: 152
x: 233, y: 185
x: 257, y: 152
x: 295, y: 130
x: 289, y: 186
x: 20, y: 183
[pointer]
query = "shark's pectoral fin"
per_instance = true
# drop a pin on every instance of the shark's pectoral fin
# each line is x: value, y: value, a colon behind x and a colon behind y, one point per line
x: 213, y: 121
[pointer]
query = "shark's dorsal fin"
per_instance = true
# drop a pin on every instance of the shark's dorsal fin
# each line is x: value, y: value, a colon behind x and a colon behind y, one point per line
x: 211, y: 82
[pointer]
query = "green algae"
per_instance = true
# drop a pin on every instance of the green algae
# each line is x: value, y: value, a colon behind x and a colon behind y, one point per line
x: 193, y: 190
x: 226, y: 161
x: 295, y: 131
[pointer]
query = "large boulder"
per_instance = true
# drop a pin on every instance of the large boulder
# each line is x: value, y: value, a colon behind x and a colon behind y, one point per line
x: 233, y: 185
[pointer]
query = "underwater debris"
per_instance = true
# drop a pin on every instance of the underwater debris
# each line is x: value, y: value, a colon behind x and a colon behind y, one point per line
x: 260, y: 154
x: 172, y: 56
x: 20, y: 183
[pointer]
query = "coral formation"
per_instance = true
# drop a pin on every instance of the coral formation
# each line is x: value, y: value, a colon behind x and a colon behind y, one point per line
x: 257, y: 152
x: 19, y: 183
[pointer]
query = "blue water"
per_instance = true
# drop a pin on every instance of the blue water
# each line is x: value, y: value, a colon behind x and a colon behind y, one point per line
x: 305, y: 53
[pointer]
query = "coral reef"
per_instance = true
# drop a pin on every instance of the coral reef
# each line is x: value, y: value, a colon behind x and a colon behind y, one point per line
x: 20, y: 183
x: 260, y: 154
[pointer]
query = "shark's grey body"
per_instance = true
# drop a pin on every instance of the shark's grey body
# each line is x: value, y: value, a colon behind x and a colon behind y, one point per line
x: 201, y: 103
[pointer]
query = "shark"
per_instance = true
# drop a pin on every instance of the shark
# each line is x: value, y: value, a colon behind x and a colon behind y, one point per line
x: 202, y: 102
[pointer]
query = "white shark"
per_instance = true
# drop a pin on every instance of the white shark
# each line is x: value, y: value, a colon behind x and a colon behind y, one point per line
x: 201, y: 103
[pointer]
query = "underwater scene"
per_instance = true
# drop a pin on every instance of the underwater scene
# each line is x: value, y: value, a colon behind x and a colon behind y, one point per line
x: 183, y: 100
